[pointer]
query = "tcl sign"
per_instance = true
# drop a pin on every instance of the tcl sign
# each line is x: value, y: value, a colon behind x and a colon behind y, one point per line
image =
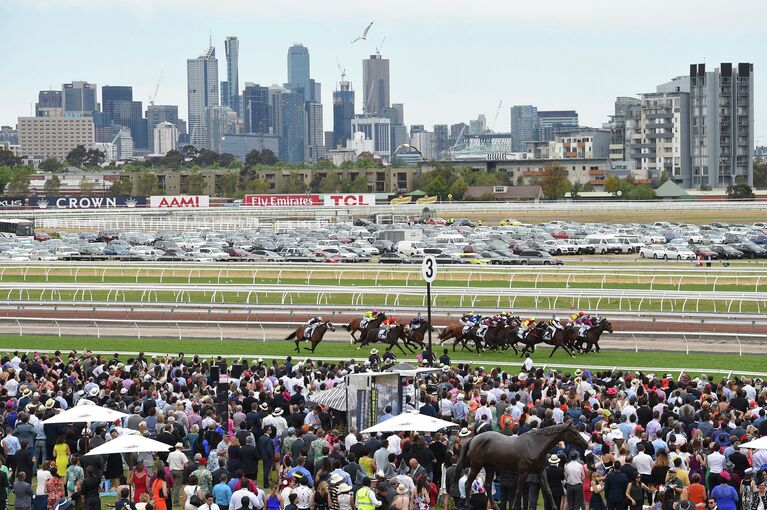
x: 350, y: 200
x: 280, y: 200
x: 179, y: 201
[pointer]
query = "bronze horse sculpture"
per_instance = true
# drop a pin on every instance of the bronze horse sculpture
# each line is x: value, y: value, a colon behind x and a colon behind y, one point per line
x: 317, y: 334
x: 523, y: 455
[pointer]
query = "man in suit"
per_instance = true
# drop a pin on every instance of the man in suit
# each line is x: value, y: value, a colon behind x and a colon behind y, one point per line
x: 249, y: 458
x: 615, y: 488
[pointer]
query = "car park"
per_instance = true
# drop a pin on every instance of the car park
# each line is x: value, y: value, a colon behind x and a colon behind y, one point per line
x: 538, y: 257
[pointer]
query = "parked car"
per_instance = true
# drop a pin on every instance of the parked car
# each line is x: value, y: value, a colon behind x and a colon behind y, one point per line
x: 725, y: 251
x: 538, y: 257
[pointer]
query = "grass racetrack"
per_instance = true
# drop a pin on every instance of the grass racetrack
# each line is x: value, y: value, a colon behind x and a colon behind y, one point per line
x: 337, y: 351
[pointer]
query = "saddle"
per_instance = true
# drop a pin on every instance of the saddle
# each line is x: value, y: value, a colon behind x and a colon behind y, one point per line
x: 364, y: 322
x: 382, y: 333
x: 308, y: 331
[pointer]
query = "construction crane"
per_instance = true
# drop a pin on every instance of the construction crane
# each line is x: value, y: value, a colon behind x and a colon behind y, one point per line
x: 380, y: 46
x: 341, y: 70
x: 497, y: 112
x: 156, y: 89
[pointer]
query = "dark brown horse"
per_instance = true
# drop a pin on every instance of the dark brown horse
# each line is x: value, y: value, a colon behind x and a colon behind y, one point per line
x: 523, y: 455
x: 592, y: 335
x: 354, y: 325
x: 563, y: 339
x: 317, y: 334
x: 390, y: 336
x: 419, y: 327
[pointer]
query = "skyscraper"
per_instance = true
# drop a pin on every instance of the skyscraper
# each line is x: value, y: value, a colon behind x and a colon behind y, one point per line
x: 343, y: 113
x: 298, y: 70
x: 524, y: 126
x: 231, y: 98
x: 722, y: 124
x: 48, y: 104
x: 549, y: 122
x: 118, y: 104
x: 159, y: 113
x: 375, y: 79
x: 255, y: 108
x: 377, y: 129
x: 315, y: 136
x: 202, y: 92
x: 289, y: 119
x: 219, y: 122
x: 440, y: 138
x: 79, y: 99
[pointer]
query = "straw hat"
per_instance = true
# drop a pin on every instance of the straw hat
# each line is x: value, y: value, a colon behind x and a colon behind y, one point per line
x: 464, y: 432
x: 277, y: 412
x: 344, y: 488
x: 553, y: 459
x: 401, y: 489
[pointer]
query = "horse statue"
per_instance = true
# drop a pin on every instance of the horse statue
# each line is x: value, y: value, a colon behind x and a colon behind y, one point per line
x: 390, y: 336
x: 355, y: 325
x: 591, y: 338
x: 523, y: 455
x: 316, y: 337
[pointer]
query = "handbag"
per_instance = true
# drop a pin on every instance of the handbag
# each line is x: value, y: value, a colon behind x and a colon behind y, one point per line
x: 194, y: 499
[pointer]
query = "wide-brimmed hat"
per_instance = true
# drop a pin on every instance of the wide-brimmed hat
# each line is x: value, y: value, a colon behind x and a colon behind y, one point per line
x: 26, y: 393
x: 50, y: 403
x: 553, y: 459
x: 465, y: 432
x: 373, y: 351
x: 578, y: 371
x: 336, y: 478
x: 277, y: 412
x: 344, y: 488
x: 522, y: 376
x: 264, y: 406
x: 93, y: 392
x: 401, y: 489
x: 446, y: 368
x: 179, y: 445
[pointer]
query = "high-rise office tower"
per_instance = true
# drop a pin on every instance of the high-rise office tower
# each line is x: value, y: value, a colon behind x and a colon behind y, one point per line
x: 219, y: 122
x: 441, y: 138
x: 375, y: 79
x: 549, y: 122
x: 298, y: 70
x: 478, y: 126
x: 164, y: 138
x: 230, y: 97
x: 202, y: 92
x: 377, y: 129
x: 117, y: 103
x: 48, y: 104
x: 255, y: 108
x: 159, y: 113
x: 722, y: 124
x: 524, y: 126
x: 457, y: 132
x: 343, y: 113
x: 78, y: 99
x: 315, y: 136
x: 289, y: 117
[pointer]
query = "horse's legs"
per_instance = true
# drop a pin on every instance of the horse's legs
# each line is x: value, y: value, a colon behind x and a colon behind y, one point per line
x: 521, y: 479
x: 470, y: 480
x: 489, y: 475
x: 298, y: 341
x: 556, y: 346
x: 546, y: 489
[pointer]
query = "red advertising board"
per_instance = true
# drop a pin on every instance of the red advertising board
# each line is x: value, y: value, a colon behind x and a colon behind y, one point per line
x: 281, y: 200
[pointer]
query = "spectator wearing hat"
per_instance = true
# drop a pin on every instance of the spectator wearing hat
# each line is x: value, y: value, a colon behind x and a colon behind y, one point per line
x: 177, y: 462
x: 555, y: 476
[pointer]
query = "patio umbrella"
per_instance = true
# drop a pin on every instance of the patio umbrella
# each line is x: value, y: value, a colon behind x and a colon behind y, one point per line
x: 130, y: 443
x: 334, y: 398
x: 410, y: 422
x: 756, y: 444
x: 87, y: 414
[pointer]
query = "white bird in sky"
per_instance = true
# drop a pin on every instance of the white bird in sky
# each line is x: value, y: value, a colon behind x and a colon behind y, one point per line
x: 364, y: 36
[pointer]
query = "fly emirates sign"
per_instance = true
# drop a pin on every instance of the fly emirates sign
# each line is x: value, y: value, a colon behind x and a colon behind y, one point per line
x: 329, y: 200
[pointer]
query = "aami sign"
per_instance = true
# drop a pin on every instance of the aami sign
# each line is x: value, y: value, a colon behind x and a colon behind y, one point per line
x: 350, y: 200
x: 179, y: 201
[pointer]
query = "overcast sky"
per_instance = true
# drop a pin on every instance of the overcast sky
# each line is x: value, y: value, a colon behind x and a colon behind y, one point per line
x: 450, y: 60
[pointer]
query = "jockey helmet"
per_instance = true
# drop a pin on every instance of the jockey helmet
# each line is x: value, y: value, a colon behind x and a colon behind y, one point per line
x: 374, y: 311
x: 581, y: 314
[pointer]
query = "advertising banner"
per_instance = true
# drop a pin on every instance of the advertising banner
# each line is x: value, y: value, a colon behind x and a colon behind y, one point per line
x: 401, y: 200
x: 86, y: 202
x: 12, y: 202
x: 350, y: 199
x: 281, y: 200
x: 427, y: 200
x: 179, y: 201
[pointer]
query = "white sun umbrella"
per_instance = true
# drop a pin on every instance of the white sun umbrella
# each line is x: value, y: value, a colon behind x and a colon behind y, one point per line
x: 86, y: 414
x: 410, y: 422
x: 756, y: 444
x: 130, y: 443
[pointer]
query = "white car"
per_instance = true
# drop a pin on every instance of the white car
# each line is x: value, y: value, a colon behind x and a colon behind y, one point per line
x: 212, y: 252
x: 652, y: 251
x: 191, y: 243
x: 679, y: 252
x: 366, y: 248
x: 66, y: 251
x: 345, y: 256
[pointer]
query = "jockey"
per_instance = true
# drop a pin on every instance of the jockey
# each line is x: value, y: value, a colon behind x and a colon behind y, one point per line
x: 584, y: 323
x: 367, y: 317
x: 552, y: 326
x: 311, y: 324
x: 487, y: 322
x: 469, y: 320
x: 526, y: 325
x: 389, y: 322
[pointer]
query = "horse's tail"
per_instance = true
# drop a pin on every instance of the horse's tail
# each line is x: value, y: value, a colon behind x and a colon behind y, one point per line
x: 462, y: 463
x: 292, y: 335
x: 348, y: 327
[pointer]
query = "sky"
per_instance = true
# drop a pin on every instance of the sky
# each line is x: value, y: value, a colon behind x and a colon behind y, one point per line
x: 450, y: 60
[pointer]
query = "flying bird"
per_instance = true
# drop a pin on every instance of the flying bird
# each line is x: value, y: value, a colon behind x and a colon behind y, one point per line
x: 364, y: 36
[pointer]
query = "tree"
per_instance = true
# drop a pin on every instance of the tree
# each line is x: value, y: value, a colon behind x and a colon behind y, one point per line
x: 438, y: 187
x: 6, y: 174
x: 740, y: 192
x: 7, y: 158
x: 760, y: 174
x: 253, y: 158
x: 189, y: 151
x: 50, y: 165
x: 329, y: 184
x: 52, y: 185
x: 94, y: 158
x: 195, y: 184
x: 325, y: 164
x: 347, y: 164
x: 206, y: 157
x: 77, y: 156
x: 147, y: 184
x: 640, y: 192
x: 458, y: 188
x: 554, y: 182
x: 172, y: 159
x: 225, y: 159
x: 663, y: 176
x: 268, y: 157
x: 235, y: 165
x: 576, y: 189
x: 19, y: 183
x: 359, y: 184
x: 257, y: 187
x: 293, y: 185
x: 612, y: 184
x: 121, y: 187
x: 229, y: 184
x: 365, y: 160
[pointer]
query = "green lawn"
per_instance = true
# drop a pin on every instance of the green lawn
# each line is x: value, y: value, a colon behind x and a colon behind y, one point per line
x: 342, y: 351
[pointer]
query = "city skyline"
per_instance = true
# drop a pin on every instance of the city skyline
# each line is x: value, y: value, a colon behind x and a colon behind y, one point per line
x: 430, y: 68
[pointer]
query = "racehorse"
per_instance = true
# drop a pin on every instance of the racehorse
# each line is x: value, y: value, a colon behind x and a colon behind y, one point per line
x: 354, y: 325
x: 393, y: 335
x: 592, y: 336
x: 317, y: 334
x: 563, y: 339
x: 452, y: 331
x: 523, y: 455
x: 418, y: 330
x: 533, y: 337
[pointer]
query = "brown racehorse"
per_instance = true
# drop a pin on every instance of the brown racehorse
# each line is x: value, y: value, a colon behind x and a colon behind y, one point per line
x: 419, y: 327
x: 523, y: 455
x: 354, y: 325
x: 316, y: 338
x: 452, y: 331
x: 593, y: 334
x: 392, y: 336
